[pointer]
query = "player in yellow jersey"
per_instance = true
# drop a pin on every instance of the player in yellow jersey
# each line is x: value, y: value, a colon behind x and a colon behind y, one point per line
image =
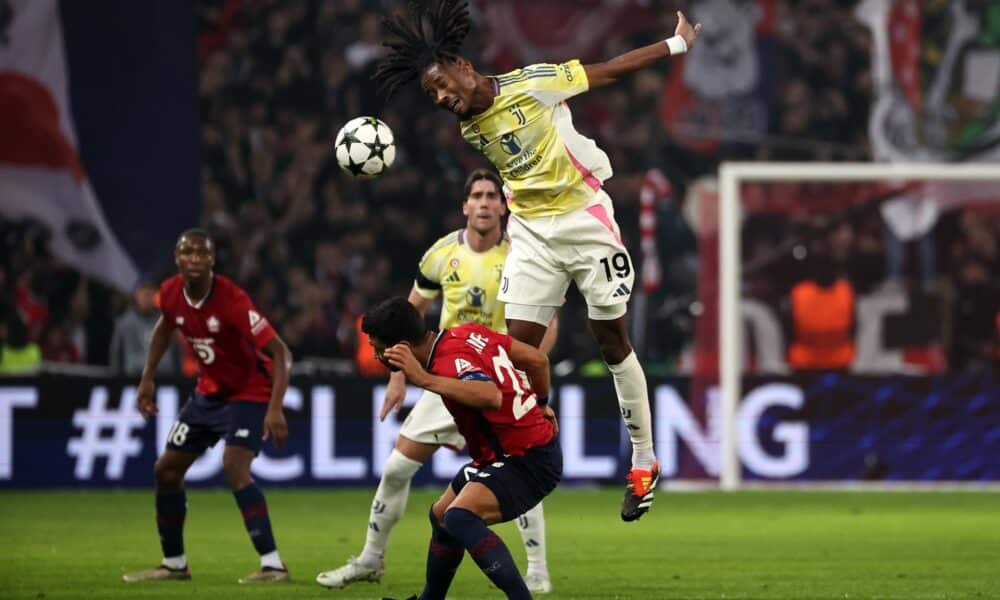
x: 562, y: 225
x: 464, y: 267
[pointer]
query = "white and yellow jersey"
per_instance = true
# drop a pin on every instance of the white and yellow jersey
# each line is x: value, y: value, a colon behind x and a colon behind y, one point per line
x: 528, y: 135
x: 470, y: 281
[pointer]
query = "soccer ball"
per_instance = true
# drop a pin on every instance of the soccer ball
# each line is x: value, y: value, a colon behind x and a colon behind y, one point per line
x: 365, y: 147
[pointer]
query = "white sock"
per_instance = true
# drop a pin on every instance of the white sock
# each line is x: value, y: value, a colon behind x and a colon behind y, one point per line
x: 633, y: 399
x: 271, y: 559
x: 532, y: 527
x: 388, y: 505
x: 175, y: 562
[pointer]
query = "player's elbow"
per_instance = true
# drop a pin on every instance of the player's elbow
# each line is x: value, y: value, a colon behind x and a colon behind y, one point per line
x: 279, y: 352
x: 536, y: 361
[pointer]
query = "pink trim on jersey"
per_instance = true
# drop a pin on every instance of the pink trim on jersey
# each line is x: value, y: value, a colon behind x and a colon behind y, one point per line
x: 601, y: 215
x: 588, y: 177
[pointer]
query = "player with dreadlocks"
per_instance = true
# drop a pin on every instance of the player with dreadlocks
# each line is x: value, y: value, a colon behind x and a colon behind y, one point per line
x: 562, y: 224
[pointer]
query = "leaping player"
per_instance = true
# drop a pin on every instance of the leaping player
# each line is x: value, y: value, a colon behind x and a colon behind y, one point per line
x: 562, y: 225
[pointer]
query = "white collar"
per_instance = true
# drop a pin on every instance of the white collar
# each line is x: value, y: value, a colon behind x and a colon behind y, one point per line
x: 430, y: 356
x: 198, y: 304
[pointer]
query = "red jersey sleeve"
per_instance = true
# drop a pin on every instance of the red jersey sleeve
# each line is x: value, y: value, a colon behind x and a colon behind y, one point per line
x: 460, y: 362
x: 163, y: 301
x: 248, y: 321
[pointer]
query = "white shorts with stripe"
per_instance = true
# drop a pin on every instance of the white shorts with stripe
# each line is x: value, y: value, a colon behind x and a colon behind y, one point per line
x: 583, y: 246
x: 430, y: 423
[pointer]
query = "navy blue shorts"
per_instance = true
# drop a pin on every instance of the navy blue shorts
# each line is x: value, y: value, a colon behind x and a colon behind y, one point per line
x: 204, y: 420
x: 518, y: 482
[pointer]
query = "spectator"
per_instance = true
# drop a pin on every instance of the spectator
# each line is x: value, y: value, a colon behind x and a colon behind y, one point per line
x: 133, y: 331
x: 57, y: 344
x: 822, y: 320
x: 18, y: 354
x: 364, y: 358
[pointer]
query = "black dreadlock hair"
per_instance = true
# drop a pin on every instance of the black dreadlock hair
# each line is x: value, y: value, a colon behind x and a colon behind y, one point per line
x: 415, y: 50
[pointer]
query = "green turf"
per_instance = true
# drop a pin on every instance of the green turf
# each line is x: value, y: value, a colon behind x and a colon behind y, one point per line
x: 693, y: 545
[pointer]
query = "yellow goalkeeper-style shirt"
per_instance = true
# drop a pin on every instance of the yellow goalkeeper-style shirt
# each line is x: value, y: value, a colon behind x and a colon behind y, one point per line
x: 528, y: 135
x: 470, y: 281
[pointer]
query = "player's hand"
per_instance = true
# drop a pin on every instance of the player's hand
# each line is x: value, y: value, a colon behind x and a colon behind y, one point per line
x: 276, y: 428
x: 550, y: 415
x: 685, y: 30
x: 401, y: 357
x: 147, y: 398
x: 395, y: 393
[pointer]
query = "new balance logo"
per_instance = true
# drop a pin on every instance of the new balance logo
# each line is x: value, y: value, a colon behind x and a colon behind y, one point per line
x: 622, y: 291
x: 453, y: 278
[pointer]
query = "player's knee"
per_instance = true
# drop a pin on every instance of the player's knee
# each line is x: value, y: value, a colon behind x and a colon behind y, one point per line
x: 236, y: 472
x: 398, y: 470
x: 168, y: 476
x: 615, y: 354
x: 436, y: 516
x: 614, y: 349
x: 457, y: 520
x: 613, y: 343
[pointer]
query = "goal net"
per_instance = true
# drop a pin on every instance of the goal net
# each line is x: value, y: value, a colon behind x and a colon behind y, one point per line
x: 858, y: 323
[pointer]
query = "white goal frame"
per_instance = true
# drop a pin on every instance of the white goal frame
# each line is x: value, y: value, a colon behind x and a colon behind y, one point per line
x: 730, y: 218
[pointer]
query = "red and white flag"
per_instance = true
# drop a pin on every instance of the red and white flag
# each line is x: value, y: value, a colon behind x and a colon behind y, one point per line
x: 41, y: 174
x: 655, y: 188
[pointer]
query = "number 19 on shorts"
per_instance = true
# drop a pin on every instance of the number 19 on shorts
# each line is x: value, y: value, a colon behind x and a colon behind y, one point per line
x: 617, y: 264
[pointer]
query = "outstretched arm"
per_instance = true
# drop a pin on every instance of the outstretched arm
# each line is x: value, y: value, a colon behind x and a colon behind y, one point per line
x: 608, y: 72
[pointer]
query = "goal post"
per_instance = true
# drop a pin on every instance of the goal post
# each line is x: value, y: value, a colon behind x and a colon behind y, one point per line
x: 730, y: 333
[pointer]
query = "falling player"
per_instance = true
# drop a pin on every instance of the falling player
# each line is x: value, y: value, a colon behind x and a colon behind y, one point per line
x: 244, y: 375
x: 562, y: 224
x: 464, y: 268
x: 492, y: 385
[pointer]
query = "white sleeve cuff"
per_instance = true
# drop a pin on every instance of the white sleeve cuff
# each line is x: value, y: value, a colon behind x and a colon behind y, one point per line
x: 676, y: 45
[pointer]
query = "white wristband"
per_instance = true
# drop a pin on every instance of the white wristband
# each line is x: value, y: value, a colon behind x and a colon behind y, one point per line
x: 676, y: 45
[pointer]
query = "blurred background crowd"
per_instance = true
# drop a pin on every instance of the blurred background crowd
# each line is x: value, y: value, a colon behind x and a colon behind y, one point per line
x: 277, y: 78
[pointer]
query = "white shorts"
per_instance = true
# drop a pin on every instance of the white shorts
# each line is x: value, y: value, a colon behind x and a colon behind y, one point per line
x: 430, y: 423
x: 584, y: 246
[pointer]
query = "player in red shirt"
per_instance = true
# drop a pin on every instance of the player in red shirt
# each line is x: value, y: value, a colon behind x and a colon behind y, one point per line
x: 496, y: 388
x: 244, y: 375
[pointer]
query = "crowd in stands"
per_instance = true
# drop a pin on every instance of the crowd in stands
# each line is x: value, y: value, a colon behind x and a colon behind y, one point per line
x: 314, y: 248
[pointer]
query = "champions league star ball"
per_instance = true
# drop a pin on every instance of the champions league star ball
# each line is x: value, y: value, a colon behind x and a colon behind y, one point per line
x: 365, y: 147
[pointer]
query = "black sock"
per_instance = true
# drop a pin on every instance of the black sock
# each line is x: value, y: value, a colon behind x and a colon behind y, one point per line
x: 443, y: 557
x: 254, y: 508
x: 488, y: 550
x: 171, y: 508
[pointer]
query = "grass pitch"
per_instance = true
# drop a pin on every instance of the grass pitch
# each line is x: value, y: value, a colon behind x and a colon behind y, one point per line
x: 764, y: 545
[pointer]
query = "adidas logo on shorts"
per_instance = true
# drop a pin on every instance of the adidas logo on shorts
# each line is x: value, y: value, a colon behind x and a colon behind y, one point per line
x: 622, y: 291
